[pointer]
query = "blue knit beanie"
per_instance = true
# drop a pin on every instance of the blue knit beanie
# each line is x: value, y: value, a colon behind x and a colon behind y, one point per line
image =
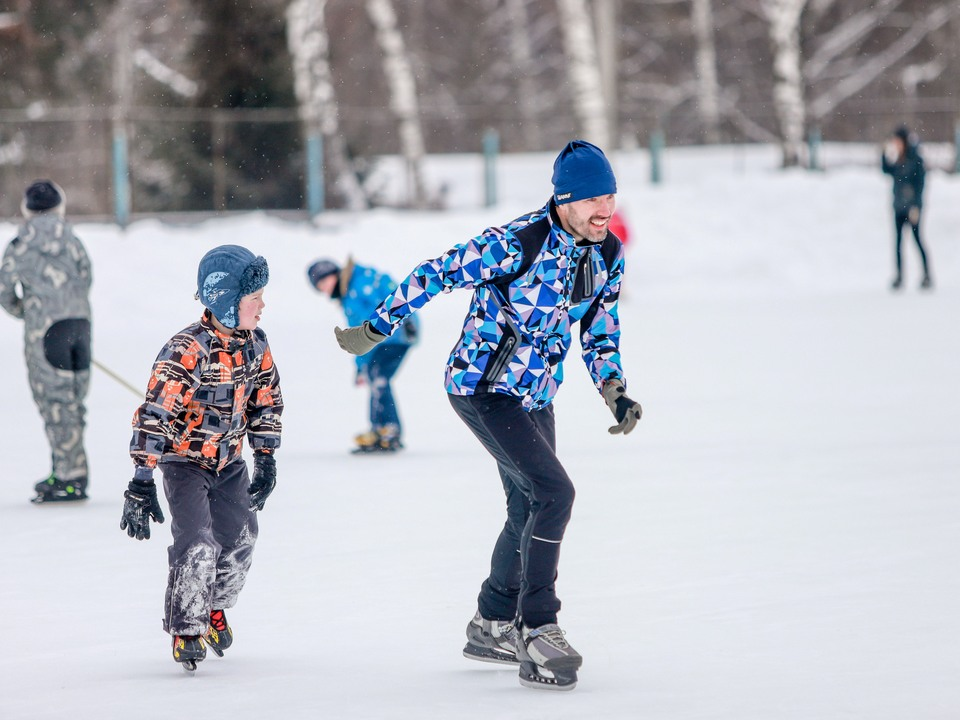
x: 227, y: 274
x: 582, y: 171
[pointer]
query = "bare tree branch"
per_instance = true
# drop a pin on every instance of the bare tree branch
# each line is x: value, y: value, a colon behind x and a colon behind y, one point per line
x: 881, y: 63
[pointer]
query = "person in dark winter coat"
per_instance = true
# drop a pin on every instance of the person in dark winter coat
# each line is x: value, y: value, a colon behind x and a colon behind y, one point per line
x: 902, y: 160
x: 213, y: 384
x: 358, y: 289
x: 531, y: 280
x: 45, y: 281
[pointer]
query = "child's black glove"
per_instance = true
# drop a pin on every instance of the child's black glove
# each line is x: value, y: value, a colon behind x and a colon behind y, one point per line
x: 264, y: 479
x: 139, y: 505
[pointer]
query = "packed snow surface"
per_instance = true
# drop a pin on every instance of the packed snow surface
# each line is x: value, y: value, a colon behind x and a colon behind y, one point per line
x: 777, y: 539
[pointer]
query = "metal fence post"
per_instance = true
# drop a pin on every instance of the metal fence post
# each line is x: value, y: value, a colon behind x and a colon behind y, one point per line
x: 657, y: 142
x: 491, y: 147
x: 121, y: 177
x: 814, y: 141
x: 315, y: 189
x: 956, y: 148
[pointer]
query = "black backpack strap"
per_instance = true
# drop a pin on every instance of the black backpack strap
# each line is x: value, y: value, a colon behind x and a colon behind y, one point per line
x: 532, y: 238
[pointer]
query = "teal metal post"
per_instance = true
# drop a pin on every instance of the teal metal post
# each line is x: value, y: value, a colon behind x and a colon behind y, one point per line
x: 657, y: 143
x: 491, y: 147
x: 814, y: 140
x: 956, y: 148
x: 315, y: 188
x: 121, y: 179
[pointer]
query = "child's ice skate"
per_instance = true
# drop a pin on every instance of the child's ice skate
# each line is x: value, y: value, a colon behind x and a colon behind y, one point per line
x: 547, y: 660
x: 385, y: 439
x: 493, y: 641
x: 219, y: 636
x: 188, y: 650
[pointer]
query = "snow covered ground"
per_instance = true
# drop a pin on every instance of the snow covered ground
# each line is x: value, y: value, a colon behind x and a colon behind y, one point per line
x: 777, y: 539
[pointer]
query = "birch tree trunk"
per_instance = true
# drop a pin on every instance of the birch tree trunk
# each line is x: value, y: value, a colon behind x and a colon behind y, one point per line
x: 583, y: 69
x: 783, y: 18
x: 606, y: 14
x: 708, y: 87
x: 523, y: 62
x: 309, y: 47
x: 403, y: 94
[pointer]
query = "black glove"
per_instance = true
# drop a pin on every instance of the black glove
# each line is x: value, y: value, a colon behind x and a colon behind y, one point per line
x: 358, y: 340
x: 139, y: 505
x: 626, y: 411
x: 264, y: 479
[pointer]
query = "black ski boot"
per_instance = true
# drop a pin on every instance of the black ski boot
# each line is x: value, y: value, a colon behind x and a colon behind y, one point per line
x: 219, y: 636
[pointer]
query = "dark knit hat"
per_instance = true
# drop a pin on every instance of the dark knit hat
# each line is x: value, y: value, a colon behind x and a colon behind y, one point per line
x: 42, y: 196
x: 227, y: 274
x: 321, y: 269
x: 906, y: 135
x: 582, y: 171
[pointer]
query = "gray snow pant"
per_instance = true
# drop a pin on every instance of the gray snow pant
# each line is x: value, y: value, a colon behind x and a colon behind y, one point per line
x: 540, y: 494
x: 58, y: 368
x: 214, y: 532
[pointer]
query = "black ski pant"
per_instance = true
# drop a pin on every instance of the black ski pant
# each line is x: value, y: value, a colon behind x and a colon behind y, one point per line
x: 214, y: 531
x: 523, y: 569
x: 901, y: 218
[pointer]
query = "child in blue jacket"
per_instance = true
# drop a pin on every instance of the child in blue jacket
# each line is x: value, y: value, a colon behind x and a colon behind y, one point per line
x: 359, y: 289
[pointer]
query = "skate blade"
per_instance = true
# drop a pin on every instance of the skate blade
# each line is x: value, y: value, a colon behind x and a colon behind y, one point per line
x: 489, y: 655
x: 537, y: 678
x: 189, y: 666
x: 46, y: 500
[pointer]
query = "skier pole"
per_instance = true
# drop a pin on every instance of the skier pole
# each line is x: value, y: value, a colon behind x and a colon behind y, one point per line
x: 116, y: 377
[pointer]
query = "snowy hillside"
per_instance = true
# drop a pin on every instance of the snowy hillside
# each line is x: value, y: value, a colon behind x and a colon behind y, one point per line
x: 776, y: 540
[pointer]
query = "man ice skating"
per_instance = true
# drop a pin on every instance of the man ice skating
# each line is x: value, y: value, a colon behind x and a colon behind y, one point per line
x: 531, y: 279
x: 45, y: 281
x: 358, y: 289
x: 213, y: 384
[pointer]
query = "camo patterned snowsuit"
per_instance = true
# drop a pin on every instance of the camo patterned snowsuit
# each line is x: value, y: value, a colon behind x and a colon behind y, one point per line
x: 45, y: 280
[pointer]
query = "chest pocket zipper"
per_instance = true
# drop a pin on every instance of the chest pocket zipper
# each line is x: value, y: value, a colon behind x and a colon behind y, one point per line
x: 583, y: 281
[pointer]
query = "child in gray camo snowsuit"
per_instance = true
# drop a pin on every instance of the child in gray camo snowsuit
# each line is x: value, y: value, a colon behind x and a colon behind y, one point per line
x: 213, y: 386
x: 45, y: 281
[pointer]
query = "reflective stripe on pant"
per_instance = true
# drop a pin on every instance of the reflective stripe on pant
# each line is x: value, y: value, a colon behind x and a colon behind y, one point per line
x: 214, y: 532
x: 540, y: 496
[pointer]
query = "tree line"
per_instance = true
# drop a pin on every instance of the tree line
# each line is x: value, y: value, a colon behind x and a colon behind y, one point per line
x: 215, y: 99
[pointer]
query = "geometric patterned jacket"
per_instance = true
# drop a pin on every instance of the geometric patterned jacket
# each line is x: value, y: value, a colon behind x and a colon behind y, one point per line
x: 518, y: 328
x: 206, y: 392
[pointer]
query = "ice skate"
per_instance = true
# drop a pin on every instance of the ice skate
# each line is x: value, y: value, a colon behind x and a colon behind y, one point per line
x: 380, y: 440
x: 492, y: 641
x: 50, y: 490
x: 188, y: 650
x: 219, y: 636
x: 547, y: 660
x: 926, y: 283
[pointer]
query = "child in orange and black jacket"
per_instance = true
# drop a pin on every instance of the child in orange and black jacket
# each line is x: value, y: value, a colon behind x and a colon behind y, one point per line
x: 212, y: 384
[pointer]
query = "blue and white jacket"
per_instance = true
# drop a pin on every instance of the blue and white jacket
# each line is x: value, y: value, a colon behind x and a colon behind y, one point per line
x: 359, y: 290
x: 518, y: 329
